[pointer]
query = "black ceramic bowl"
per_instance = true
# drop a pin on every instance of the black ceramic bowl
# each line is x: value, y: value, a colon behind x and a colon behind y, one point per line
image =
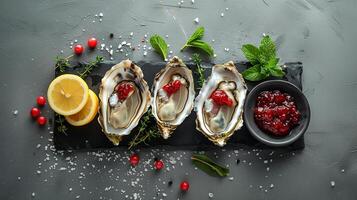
x: 301, y: 103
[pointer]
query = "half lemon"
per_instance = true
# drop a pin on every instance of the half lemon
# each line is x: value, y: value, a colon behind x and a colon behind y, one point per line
x: 67, y: 94
x: 88, y: 112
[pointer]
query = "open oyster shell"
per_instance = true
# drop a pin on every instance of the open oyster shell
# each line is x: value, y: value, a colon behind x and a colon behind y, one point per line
x: 171, y: 103
x: 219, y: 105
x: 124, y: 97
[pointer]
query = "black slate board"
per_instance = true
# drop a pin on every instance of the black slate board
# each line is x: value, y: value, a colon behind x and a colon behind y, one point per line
x: 185, y: 136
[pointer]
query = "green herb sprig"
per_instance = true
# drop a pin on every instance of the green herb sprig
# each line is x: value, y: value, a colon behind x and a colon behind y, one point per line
x: 89, y: 67
x: 159, y: 44
x: 62, y: 63
x: 263, y: 59
x: 196, y: 41
x: 147, y: 131
x: 62, y: 128
x: 207, y: 165
x: 199, y: 69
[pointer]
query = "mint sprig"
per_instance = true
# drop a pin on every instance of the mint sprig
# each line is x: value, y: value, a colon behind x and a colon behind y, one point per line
x: 207, y: 165
x: 159, y: 44
x: 263, y: 59
x: 195, y: 41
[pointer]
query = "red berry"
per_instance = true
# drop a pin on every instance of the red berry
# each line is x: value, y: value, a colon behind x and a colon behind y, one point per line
x: 92, y: 43
x: 35, y: 112
x: 41, y: 120
x: 41, y: 100
x: 123, y: 90
x: 184, y: 186
x: 221, y: 98
x: 158, y: 164
x: 78, y: 49
x: 279, y: 98
x: 172, y: 87
x: 134, y: 159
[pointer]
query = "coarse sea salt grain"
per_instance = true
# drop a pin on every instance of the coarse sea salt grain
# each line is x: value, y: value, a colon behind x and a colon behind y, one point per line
x: 196, y: 20
x: 332, y: 183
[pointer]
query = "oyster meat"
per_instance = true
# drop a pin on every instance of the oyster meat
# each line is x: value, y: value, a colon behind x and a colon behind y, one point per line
x: 174, y: 94
x: 124, y: 97
x: 219, y: 105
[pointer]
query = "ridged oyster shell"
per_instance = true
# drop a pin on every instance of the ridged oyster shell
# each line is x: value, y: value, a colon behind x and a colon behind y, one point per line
x: 120, y: 114
x: 219, y: 122
x: 171, y: 110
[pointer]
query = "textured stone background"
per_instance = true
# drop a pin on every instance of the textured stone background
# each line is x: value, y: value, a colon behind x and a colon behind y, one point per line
x: 320, y: 33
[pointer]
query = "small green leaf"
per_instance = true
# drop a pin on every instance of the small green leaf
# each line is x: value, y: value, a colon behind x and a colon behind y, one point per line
x: 197, y: 35
x: 255, y: 73
x: 277, y: 71
x: 203, y: 46
x: 251, y: 53
x: 159, y: 44
x: 196, y: 42
x: 267, y: 49
x: 207, y: 165
x: 272, y: 62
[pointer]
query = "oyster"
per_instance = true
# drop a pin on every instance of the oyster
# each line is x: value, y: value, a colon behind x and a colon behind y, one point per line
x: 124, y: 97
x: 219, y: 105
x: 174, y: 94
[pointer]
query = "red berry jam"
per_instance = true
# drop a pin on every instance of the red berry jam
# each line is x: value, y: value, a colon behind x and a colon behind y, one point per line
x: 123, y: 90
x: 221, y: 98
x: 172, y: 87
x: 276, y: 112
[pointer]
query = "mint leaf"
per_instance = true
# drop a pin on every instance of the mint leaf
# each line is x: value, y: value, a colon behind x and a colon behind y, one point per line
x: 254, y: 73
x: 197, y: 35
x: 267, y: 49
x: 205, y: 164
x: 263, y: 59
x: 159, y: 44
x: 203, y: 46
x: 277, y: 71
x: 196, y: 42
x: 272, y: 62
x: 251, y: 53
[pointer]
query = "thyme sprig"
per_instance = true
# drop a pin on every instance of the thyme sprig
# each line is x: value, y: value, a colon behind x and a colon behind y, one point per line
x: 147, y: 131
x: 89, y: 67
x: 62, y: 63
x: 199, y: 69
x: 62, y: 128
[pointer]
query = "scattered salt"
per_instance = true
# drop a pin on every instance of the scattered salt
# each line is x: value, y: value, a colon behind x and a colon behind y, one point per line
x: 196, y: 20
x: 332, y: 183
